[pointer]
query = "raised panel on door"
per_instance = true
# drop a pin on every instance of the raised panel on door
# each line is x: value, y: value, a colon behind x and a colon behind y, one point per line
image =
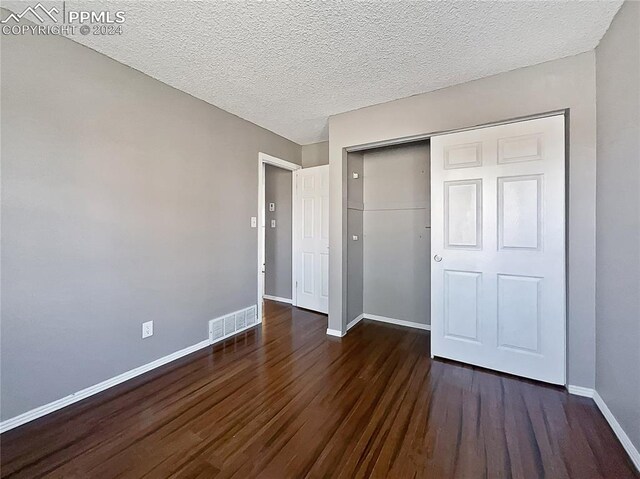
x: 308, y: 215
x: 462, y: 305
x: 463, y: 214
x: 463, y: 156
x: 308, y: 272
x: 519, y: 313
x: 520, y: 212
x: 498, y: 288
x: 520, y: 148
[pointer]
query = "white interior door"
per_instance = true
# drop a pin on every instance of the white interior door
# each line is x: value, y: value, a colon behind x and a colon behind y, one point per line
x: 498, y: 248
x: 312, y: 238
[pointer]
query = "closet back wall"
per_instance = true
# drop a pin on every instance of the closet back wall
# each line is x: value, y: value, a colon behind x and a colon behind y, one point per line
x: 396, y: 221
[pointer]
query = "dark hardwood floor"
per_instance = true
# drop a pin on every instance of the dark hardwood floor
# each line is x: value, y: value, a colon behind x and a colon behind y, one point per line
x: 291, y: 402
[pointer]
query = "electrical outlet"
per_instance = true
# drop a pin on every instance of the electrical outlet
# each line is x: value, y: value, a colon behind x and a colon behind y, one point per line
x: 147, y: 329
x: 272, y: 206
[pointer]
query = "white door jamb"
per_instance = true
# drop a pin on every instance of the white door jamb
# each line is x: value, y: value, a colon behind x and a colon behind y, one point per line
x: 264, y: 159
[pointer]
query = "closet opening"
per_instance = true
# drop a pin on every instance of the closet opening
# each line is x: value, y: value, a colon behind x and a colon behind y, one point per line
x: 464, y: 235
x: 388, y: 235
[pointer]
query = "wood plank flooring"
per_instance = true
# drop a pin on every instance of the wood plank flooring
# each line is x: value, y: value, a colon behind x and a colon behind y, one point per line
x: 288, y: 401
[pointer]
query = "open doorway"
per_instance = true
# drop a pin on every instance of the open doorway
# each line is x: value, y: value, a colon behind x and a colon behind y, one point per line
x: 276, y: 197
x: 278, y: 234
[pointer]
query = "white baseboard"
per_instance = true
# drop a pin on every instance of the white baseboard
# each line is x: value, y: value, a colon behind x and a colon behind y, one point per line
x: 617, y: 429
x: 277, y: 298
x: 354, y: 322
x: 399, y: 322
x: 335, y: 332
x: 96, y: 388
x: 383, y: 319
x: 580, y: 391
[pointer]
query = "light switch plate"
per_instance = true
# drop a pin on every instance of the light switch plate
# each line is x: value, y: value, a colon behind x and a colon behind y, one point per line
x: 254, y: 222
x: 273, y: 223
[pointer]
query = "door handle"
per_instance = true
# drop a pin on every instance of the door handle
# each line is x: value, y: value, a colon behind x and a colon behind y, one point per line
x: 437, y: 258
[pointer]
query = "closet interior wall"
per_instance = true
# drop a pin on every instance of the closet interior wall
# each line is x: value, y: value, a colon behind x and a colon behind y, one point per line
x: 355, y: 238
x: 388, y: 224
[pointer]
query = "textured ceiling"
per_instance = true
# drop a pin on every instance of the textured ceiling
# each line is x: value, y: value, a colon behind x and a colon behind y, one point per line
x: 287, y: 66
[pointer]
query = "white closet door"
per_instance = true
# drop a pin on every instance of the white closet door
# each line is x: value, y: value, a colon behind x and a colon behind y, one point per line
x: 312, y: 238
x: 498, y: 248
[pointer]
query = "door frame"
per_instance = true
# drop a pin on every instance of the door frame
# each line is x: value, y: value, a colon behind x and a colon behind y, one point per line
x: 393, y: 141
x: 265, y: 159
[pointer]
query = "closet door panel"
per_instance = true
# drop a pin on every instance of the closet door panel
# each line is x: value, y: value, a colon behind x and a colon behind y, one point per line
x: 498, y: 248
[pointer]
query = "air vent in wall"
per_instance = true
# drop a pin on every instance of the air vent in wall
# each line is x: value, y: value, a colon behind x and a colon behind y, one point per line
x: 230, y: 324
x: 216, y: 329
x: 251, y: 316
x: 241, y: 322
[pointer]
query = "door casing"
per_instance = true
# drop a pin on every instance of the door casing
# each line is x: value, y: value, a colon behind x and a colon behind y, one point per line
x: 264, y: 159
x: 425, y: 136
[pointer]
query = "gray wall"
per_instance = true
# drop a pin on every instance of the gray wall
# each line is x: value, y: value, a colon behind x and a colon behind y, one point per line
x: 568, y: 83
x: 315, y: 154
x: 355, y: 264
x: 278, y: 253
x: 123, y: 200
x: 396, y: 233
x: 618, y: 220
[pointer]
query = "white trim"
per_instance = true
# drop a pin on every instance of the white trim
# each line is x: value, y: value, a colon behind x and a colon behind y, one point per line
x: 277, y: 298
x: 399, y: 322
x: 425, y: 136
x: 335, y: 332
x: 294, y: 191
x: 96, y: 388
x: 580, y: 391
x: 382, y: 319
x: 355, y: 321
x: 264, y: 159
x: 280, y: 163
x: 634, y: 455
